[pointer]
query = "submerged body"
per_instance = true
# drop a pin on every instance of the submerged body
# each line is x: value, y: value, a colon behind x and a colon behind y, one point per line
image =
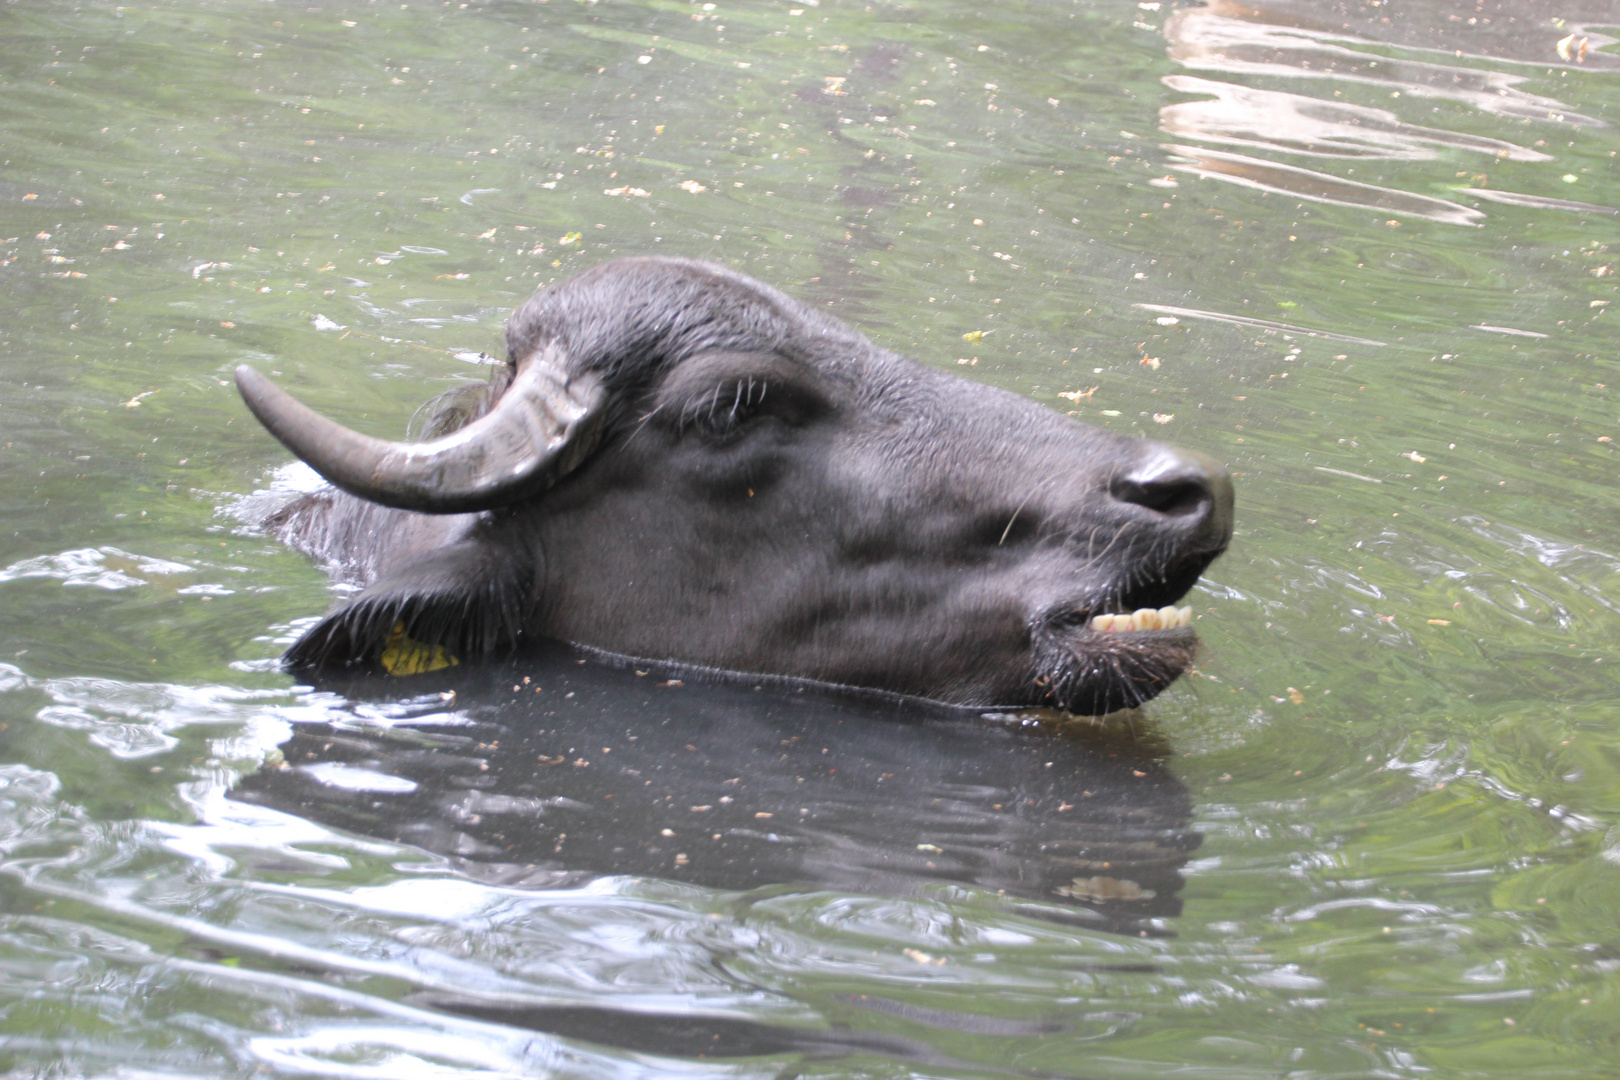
x: 681, y: 463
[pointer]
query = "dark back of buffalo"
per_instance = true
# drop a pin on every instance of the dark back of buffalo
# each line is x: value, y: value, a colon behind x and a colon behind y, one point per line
x: 679, y: 462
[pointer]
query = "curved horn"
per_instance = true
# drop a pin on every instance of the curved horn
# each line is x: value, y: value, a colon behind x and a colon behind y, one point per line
x: 543, y: 426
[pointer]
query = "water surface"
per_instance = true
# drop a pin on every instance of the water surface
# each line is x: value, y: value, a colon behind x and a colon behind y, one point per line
x: 1364, y: 253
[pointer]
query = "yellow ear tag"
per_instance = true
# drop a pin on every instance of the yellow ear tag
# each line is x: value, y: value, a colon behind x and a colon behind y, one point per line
x: 406, y: 656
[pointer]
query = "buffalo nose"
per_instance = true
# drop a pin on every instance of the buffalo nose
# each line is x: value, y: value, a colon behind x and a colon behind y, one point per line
x: 1190, y: 491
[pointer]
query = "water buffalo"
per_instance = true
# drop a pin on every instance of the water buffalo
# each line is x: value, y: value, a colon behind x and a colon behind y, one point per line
x: 678, y: 462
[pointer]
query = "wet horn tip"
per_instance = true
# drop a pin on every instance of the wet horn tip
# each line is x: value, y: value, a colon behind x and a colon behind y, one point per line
x: 257, y: 391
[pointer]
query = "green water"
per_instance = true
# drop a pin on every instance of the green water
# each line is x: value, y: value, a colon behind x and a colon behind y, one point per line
x: 1378, y: 279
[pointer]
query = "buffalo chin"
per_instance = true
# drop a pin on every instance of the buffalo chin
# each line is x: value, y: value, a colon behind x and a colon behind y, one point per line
x: 1091, y: 673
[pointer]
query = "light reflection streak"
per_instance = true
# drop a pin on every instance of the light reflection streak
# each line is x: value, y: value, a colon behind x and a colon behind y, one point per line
x: 1299, y: 123
x: 1540, y: 202
x: 1450, y: 770
x: 249, y: 981
x: 1216, y: 38
x: 1238, y: 40
x: 1321, y: 187
x: 1259, y: 324
x: 1508, y: 330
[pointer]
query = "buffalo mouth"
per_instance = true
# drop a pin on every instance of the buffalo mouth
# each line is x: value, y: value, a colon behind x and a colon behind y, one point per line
x: 1165, y: 618
x: 1095, y: 663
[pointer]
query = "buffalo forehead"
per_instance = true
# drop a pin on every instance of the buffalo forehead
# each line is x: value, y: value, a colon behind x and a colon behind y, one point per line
x: 630, y: 318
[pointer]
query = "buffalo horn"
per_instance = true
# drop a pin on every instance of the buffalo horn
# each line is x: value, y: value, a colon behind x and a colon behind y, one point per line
x: 543, y: 426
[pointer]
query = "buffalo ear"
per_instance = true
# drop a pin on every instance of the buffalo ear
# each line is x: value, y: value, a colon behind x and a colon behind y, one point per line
x: 455, y: 602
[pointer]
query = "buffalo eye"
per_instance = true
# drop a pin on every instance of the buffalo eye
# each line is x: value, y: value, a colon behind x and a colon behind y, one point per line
x: 721, y: 399
x: 723, y: 413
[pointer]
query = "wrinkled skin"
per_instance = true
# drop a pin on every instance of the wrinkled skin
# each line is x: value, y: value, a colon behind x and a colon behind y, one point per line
x: 771, y: 493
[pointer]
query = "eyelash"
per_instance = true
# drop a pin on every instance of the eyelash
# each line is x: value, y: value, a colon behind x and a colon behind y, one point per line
x: 724, y: 409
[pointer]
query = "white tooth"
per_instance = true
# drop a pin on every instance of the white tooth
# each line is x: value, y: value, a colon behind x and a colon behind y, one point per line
x: 1146, y: 618
x: 1103, y: 623
x: 1186, y: 615
x: 1169, y: 618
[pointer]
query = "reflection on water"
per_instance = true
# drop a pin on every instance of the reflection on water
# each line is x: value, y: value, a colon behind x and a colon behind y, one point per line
x: 547, y: 775
x: 1317, y: 186
x: 1540, y: 202
x: 1270, y: 325
x: 1272, y: 119
x: 542, y: 815
x: 1239, y: 38
x: 1291, y: 42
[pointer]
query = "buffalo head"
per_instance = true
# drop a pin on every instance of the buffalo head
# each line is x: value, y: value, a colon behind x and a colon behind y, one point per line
x: 680, y: 463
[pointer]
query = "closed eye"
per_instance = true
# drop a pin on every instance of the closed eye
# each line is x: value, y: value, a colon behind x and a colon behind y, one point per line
x: 723, y: 410
x: 720, y: 397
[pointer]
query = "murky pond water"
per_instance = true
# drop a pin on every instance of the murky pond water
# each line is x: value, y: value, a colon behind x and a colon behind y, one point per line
x: 1364, y: 252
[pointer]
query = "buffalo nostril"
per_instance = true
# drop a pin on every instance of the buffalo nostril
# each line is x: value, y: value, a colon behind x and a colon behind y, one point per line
x: 1180, y: 484
x: 1171, y: 497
